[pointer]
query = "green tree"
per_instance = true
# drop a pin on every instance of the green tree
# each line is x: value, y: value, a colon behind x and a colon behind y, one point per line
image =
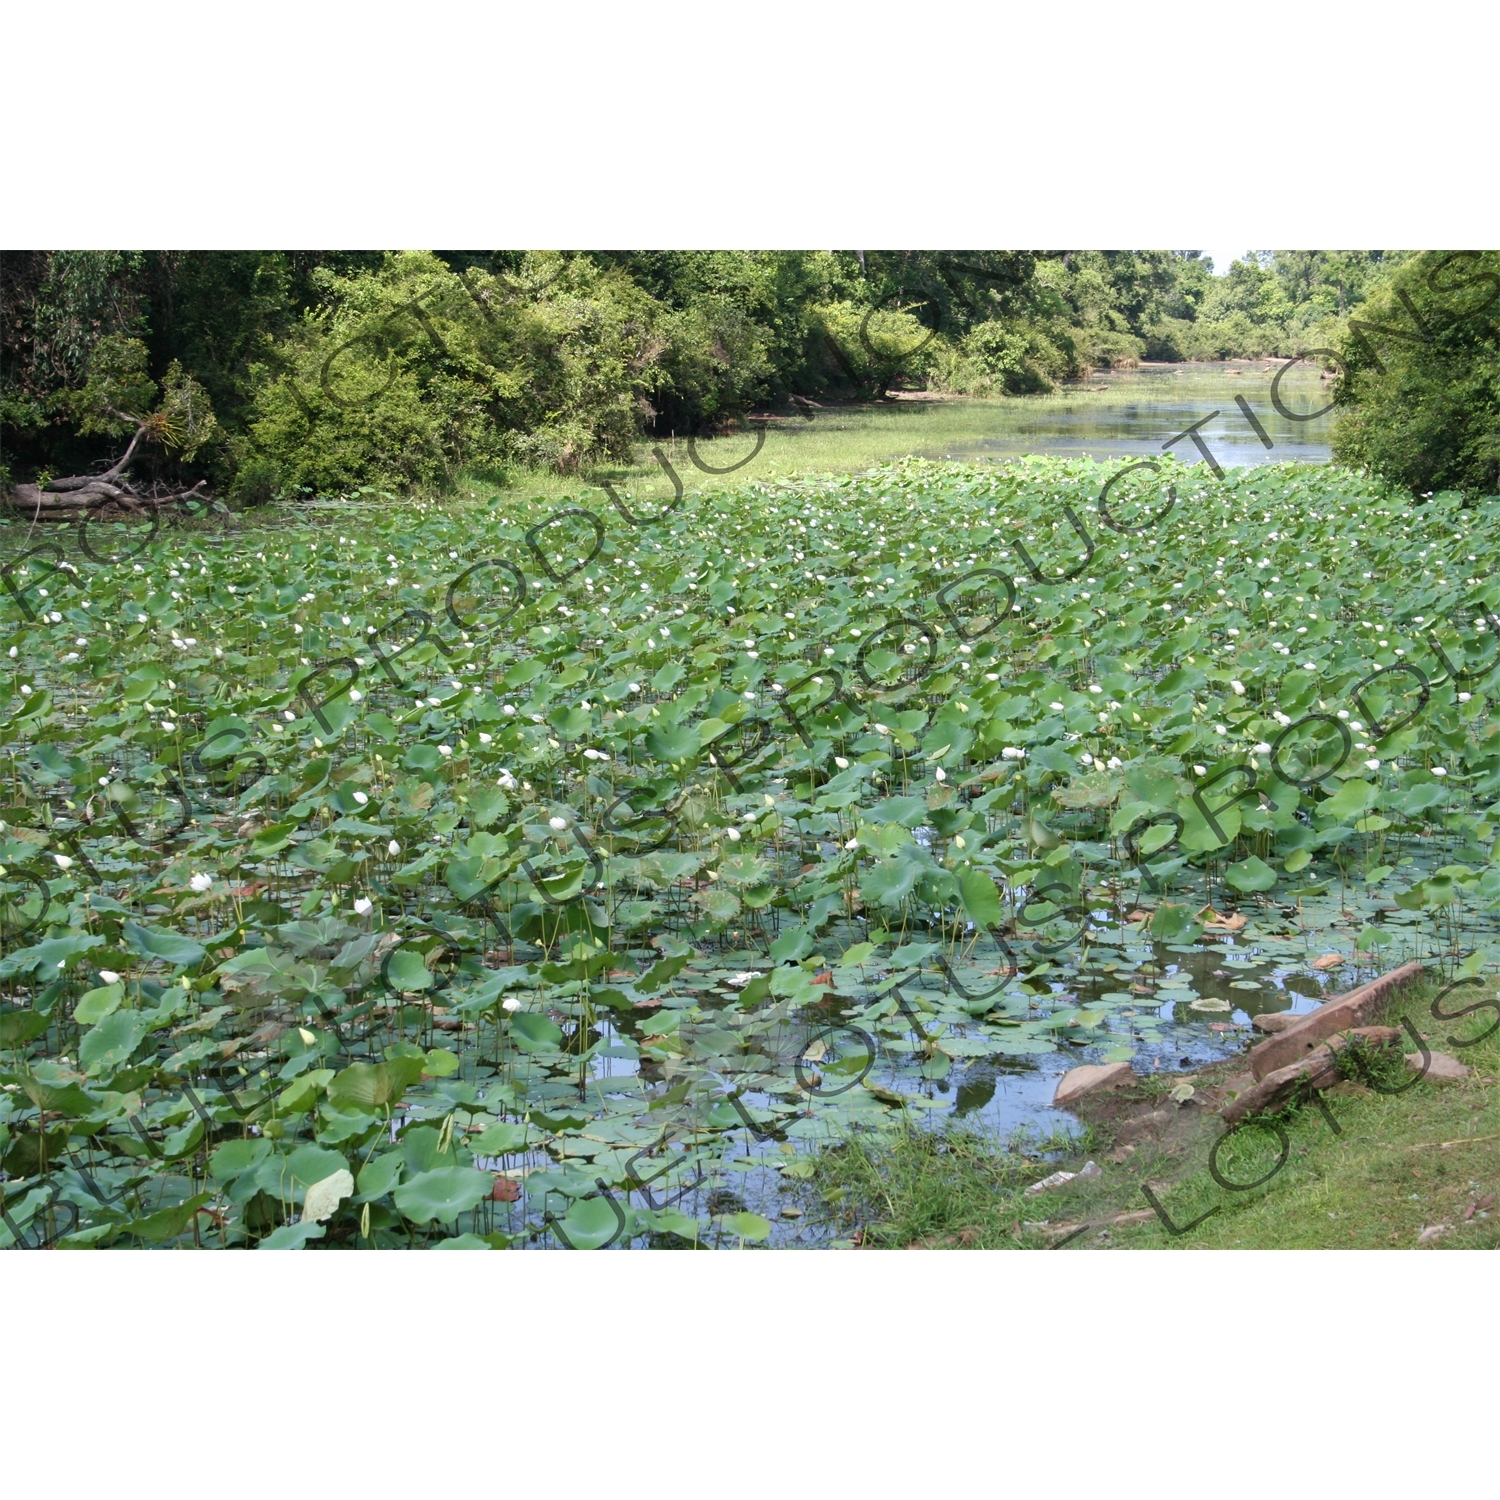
x: 1421, y: 376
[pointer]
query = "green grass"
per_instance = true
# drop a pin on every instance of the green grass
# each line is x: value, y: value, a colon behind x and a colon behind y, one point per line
x: 1395, y: 1165
x: 846, y: 438
x: 911, y: 1186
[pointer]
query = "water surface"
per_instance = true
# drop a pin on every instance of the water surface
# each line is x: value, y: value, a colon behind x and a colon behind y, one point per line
x: 1139, y: 413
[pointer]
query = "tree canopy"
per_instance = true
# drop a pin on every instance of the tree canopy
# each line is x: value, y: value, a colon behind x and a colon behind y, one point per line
x: 282, y: 372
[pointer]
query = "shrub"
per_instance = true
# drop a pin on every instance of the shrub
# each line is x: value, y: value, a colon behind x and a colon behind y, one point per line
x: 256, y: 482
x: 417, y: 372
x: 1111, y: 350
x: 995, y: 358
x: 1421, y: 382
x: 877, y: 348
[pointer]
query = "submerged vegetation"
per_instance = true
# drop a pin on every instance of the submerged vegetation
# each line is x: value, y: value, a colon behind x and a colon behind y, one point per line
x: 478, y: 875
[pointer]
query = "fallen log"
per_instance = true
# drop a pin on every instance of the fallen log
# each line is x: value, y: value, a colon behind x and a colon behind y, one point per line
x: 108, y: 495
x: 106, y: 500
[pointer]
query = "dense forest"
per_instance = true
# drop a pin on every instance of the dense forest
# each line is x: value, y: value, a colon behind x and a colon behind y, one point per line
x: 274, y: 373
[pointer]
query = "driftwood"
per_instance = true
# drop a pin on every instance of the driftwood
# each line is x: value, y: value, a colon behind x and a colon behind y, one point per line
x: 106, y: 500
x: 108, y: 495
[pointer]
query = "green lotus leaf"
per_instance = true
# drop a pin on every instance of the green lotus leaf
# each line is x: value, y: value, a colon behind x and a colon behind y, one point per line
x: 442, y: 1194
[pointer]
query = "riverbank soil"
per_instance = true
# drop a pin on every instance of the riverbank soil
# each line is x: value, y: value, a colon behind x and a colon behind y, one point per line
x: 1352, y: 1167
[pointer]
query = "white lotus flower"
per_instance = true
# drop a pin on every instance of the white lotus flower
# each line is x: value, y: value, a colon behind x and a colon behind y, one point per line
x: 109, y: 976
x: 363, y: 905
x: 840, y: 762
x: 201, y: 883
x: 511, y: 1004
x: 1372, y: 764
x: 1114, y: 763
x: 507, y: 782
x: 1439, y: 771
x: 63, y: 861
x: 393, y: 847
x: 361, y: 798
x: 1239, y: 689
x: 557, y: 824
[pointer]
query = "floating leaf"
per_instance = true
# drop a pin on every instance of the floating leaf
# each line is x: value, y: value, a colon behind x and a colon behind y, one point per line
x: 1252, y: 874
x: 747, y: 1226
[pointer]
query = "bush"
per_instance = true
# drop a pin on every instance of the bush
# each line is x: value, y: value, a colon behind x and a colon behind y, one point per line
x: 995, y: 358
x: 1169, y: 339
x: 1421, y: 382
x: 418, y: 372
x: 1109, y: 350
x: 877, y: 348
x: 256, y: 482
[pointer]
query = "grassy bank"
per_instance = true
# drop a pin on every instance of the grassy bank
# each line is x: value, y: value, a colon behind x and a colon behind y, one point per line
x: 1373, y: 1172
x: 837, y: 439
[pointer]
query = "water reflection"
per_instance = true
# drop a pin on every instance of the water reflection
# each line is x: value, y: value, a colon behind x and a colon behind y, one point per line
x: 1137, y: 414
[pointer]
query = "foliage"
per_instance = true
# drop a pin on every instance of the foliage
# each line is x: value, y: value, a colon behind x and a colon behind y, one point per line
x: 993, y: 359
x: 1421, y: 376
x: 332, y: 372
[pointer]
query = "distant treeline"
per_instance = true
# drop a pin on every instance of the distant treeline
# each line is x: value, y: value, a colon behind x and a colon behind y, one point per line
x: 283, y: 372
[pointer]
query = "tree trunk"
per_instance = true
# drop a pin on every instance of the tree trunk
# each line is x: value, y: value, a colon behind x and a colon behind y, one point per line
x: 64, y: 498
x: 106, y: 500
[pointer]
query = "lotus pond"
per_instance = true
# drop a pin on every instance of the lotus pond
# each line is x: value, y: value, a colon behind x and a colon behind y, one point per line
x: 566, y: 874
